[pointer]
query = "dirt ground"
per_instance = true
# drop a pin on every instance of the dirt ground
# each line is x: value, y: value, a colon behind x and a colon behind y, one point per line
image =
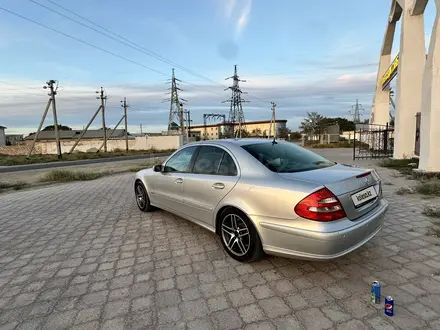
x: 32, y: 177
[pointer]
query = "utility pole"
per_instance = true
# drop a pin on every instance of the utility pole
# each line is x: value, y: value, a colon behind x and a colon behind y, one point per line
x: 236, y: 115
x: 103, y: 98
x: 355, y: 111
x: 55, y: 118
x: 273, y: 122
x: 181, y: 120
x: 141, y: 128
x: 188, y: 126
x: 51, y: 101
x: 125, y: 106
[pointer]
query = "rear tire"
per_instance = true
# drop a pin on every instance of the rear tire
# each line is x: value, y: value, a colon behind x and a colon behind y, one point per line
x: 239, y: 237
x: 142, y: 199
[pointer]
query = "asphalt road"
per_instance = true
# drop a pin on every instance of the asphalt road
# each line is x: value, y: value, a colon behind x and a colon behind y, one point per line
x: 19, y: 168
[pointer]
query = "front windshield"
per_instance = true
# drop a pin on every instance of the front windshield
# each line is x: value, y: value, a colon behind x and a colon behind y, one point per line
x: 286, y: 157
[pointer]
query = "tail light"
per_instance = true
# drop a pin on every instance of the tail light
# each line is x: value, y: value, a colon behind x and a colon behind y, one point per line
x: 322, y: 205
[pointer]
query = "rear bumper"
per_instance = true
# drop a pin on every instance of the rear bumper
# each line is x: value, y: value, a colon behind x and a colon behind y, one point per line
x: 292, y: 242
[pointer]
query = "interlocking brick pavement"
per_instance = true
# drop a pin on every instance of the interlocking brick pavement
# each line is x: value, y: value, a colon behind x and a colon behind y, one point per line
x: 82, y: 256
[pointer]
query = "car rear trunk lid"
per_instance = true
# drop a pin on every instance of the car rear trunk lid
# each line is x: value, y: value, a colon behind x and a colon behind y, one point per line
x: 358, y: 190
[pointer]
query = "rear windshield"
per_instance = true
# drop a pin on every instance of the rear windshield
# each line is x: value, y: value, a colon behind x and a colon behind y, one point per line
x: 286, y: 157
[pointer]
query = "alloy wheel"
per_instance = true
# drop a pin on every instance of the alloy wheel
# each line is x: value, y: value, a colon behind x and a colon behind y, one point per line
x: 140, y: 196
x: 236, y: 235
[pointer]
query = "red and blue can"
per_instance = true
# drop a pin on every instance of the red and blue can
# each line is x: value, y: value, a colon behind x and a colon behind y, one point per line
x: 375, y: 292
x: 389, y: 306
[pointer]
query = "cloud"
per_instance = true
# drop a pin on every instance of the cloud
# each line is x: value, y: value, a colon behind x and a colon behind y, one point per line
x: 237, y: 13
x: 229, y: 7
x: 21, y: 108
x: 244, y: 17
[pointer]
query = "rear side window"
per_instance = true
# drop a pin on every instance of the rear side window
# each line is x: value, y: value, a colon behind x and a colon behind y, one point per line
x: 208, y: 160
x: 213, y: 160
x: 227, y: 165
x: 284, y: 157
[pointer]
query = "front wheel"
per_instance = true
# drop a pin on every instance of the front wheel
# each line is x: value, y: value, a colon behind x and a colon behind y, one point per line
x: 142, y: 199
x: 239, y: 236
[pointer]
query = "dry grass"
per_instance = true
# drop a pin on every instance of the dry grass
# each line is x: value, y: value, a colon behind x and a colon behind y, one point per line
x: 69, y: 176
x: 404, y: 166
x: 404, y: 191
x: 6, y: 160
x: 15, y: 186
x: 432, y: 211
x: 427, y: 188
x: 147, y: 164
x: 434, y: 230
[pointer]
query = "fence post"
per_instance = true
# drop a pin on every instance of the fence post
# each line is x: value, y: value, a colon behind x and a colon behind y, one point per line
x: 354, y: 144
x: 385, y: 140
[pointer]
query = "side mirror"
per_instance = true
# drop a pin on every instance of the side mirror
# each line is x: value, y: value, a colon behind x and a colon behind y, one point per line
x: 158, y: 168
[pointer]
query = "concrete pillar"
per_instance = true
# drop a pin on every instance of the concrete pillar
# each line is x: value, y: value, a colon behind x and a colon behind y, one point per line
x: 409, y: 80
x: 380, y: 111
x: 429, y: 131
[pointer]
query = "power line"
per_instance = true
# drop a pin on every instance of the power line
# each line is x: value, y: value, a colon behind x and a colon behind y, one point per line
x: 99, y: 48
x: 128, y: 42
x: 110, y: 52
x: 23, y: 86
x: 82, y: 41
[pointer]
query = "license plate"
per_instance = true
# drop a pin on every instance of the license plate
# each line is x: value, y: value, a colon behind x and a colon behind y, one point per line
x: 364, y: 196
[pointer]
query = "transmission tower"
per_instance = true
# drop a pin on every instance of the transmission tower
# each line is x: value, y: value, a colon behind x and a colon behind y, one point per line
x: 236, y: 115
x: 176, y: 106
x: 356, y: 112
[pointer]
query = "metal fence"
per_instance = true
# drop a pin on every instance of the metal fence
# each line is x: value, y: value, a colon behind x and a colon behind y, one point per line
x: 373, y: 142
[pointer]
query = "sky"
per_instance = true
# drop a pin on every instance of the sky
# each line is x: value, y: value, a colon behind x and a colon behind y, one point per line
x: 303, y: 55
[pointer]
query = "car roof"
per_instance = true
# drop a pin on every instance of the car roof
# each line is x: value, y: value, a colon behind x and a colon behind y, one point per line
x: 237, y: 142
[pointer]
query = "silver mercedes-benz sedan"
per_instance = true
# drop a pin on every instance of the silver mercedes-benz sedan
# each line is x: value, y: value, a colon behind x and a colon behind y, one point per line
x: 268, y: 196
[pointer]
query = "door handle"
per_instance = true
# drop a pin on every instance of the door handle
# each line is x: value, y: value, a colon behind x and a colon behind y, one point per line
x: 179, y: 180
x: 218, y: 185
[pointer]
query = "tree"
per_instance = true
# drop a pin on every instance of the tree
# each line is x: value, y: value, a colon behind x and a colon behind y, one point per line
x: 311, y: 124
x: 283, y: 133
x: 295, y: 136
x: 60, y: 128
x: 344, y: 124
x: 256, y: 132
x: 244, y: 133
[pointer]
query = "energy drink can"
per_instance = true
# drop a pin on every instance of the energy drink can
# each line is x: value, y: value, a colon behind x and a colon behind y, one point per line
x: 375, y: 292
x: 389, y: 306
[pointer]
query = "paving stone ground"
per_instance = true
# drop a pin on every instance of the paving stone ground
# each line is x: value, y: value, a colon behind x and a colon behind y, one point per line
x: 82, y: 256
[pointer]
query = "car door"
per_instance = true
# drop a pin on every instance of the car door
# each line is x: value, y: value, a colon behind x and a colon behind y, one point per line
x: 168, y: 184
x: 214, y: 174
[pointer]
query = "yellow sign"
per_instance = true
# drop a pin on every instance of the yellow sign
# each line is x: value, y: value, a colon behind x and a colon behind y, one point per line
x: 391, y: 72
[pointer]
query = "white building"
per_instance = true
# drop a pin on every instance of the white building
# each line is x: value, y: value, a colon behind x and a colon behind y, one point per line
x: 2, y: 136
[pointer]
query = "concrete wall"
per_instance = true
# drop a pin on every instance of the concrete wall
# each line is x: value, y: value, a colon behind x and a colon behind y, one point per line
x: 2, y: 137
x: 139, y: 143
x: 17, y: 150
